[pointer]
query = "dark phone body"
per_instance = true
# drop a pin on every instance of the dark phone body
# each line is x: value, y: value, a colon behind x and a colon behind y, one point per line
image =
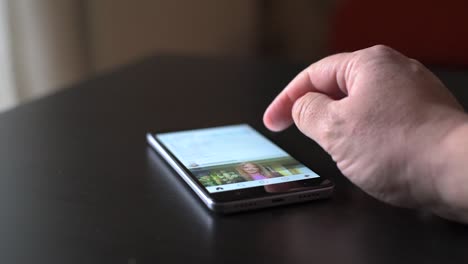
x: 248, y: 198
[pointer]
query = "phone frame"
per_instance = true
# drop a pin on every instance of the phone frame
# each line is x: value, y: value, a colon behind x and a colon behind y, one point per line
x: 318, y: 188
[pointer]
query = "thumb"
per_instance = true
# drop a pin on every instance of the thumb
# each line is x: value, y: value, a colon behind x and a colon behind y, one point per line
x: 311, y: 114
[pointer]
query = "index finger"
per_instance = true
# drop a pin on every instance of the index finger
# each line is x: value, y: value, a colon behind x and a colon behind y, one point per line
x: 327, y: 76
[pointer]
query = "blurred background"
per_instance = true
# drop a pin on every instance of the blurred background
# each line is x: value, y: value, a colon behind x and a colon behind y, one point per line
x: 47, y: 45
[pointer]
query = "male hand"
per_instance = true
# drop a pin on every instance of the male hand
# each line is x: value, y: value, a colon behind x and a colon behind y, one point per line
x: 387, y: 122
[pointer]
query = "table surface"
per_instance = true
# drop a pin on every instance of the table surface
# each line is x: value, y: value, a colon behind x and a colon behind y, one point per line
x: 78, y: 183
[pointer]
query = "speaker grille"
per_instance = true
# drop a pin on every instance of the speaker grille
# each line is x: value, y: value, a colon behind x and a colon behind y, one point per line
x: 309, y: 195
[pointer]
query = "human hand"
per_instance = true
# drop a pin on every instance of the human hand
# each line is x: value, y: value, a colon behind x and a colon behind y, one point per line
x: 385, y: 120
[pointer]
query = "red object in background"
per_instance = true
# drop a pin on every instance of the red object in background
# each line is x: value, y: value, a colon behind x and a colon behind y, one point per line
x: 434, y: 32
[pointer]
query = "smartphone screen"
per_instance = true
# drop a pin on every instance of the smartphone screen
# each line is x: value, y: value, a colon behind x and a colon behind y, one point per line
x: 233, y: 157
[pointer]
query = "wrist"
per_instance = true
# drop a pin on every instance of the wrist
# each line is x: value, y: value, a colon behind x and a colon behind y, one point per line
x: 449, y: 172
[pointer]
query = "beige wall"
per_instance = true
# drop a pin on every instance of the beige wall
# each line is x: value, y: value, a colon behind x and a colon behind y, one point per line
x: 54, y: 43
x: 122, y: 31
x: 7, y: 92
x: 47, y: 45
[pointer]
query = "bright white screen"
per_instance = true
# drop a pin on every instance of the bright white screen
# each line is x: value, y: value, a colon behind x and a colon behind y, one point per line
x: 233, y: 157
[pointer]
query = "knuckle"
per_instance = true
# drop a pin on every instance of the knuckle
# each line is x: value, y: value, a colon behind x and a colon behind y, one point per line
x: 308, y: 111
x: 328, y: 134
x: 302, y: 112
x: 377, y: 60
x: 319, y: 121
x: 416, y: 62
x: 380, y: 53
x: 330, y: 127
x: 382, y: 50
x: 416, y: 66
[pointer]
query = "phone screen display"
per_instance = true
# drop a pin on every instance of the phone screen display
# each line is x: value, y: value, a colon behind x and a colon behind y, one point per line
x: 233, y: 157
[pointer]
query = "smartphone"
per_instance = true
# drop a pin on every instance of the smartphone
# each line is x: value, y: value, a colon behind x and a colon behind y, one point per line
x: 235, y: 168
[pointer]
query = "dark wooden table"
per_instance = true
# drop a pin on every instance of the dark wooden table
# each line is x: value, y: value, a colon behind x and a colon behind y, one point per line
x: 78, y: 183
